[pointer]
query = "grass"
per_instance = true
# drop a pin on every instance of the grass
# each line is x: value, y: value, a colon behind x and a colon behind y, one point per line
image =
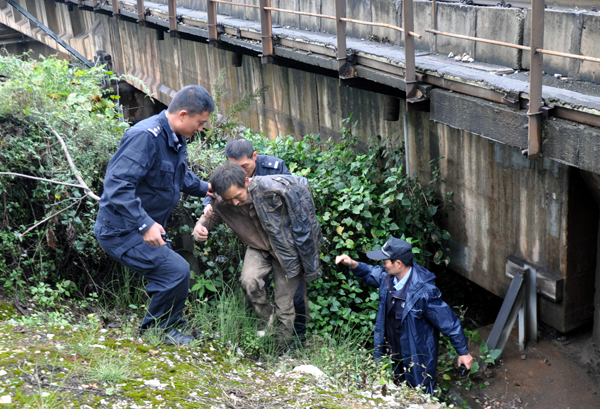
x: 61, y: 360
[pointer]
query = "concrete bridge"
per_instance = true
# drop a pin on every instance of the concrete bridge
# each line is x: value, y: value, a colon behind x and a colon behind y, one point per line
x: 519, y: 131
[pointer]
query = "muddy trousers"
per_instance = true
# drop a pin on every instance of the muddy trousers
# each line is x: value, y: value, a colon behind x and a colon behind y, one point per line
x: 257, y: 264
x: 168, y: 276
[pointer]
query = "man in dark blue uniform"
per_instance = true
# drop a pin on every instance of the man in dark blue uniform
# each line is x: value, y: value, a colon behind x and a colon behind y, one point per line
x: 142, y: 186
x: 242, y: 152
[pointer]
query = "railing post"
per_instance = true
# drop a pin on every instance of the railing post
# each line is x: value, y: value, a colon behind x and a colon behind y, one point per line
x: 211, y: 11
x: 535, y: 80
x: 141, y: 12
x: 172, y: 5
x: 344, y: 72
x: 434, y: 25
x: 115, y: 8
x: 266, y: 30
x: 409, y: 49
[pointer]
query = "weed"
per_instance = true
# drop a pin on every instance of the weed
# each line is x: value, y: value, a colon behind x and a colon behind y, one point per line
x: 111, y: 367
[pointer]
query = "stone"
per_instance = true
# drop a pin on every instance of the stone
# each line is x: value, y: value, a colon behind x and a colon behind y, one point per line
x: 523, y: 357
x: 5, y: 399
x: 310, y: 369
x: 451, y: 55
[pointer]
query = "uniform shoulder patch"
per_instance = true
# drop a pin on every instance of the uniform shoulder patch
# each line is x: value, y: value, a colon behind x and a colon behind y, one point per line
x: 154, y: 131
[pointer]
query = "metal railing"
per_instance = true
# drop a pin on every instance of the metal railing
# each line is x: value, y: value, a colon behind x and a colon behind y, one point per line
x: 536, y: 110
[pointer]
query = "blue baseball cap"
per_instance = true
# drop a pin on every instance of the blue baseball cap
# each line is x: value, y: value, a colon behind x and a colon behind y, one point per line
x: 393, y: 249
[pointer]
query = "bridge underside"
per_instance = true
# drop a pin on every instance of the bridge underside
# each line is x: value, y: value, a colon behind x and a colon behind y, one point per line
x: 543, y: 211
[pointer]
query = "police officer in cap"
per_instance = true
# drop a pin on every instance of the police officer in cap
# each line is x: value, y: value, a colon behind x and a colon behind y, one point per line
x: 411, y: 314
x: 142, y: 186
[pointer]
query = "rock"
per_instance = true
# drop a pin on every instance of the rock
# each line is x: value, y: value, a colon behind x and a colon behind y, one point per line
x: 465, y: 58
x: 3, y: 372
x: 153, y: 352
x: 523, y: 357
x: 6, y: 399
x: 564, y: 79
x: 557, y: 76
x: 451, y: 55
x: 154, y: 383
x: 470, y: 59
x: 310, y: 369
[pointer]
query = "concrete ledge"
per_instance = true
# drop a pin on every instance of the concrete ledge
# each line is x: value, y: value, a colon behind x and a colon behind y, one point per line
x: 482, y: 118
x: 549, y: 285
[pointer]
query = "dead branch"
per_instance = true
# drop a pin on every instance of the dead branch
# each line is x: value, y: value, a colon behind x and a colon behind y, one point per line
x: 43, y: 179
x: 88, y: 191
x: 49, y: 217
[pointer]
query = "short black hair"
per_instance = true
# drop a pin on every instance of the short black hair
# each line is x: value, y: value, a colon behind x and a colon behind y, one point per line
x: 194, y: 99
x: 239, y: 148
x: 226, y: 175
x: 407, y: 263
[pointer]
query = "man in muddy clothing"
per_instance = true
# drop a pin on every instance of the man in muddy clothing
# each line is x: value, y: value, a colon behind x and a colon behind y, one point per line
x: 242, y: 152
x: 411, y: 314
x: 235, y: 206
x: 142, y: 186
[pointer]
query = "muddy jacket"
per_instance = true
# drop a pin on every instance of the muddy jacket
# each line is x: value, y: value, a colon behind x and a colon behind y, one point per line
x: 286, y: 210
x: 425, y: 315
x: 144, y: 181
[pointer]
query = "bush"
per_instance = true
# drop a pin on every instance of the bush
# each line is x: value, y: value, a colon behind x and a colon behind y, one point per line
x: 46, y: 230
x: 362, y: 196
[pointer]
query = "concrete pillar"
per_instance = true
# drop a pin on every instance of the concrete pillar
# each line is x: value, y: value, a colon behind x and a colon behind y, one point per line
x: 596, y: 330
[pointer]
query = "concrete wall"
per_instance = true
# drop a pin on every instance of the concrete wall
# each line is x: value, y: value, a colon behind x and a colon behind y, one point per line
x: 503, y: 204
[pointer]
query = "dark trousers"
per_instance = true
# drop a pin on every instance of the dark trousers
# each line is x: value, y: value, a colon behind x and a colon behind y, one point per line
x: 168, y: 276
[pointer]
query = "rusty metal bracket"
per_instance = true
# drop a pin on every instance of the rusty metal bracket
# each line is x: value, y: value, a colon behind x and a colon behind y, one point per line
x: 512, y: 100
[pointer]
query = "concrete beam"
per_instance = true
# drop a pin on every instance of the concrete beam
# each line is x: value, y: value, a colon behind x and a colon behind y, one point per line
x: 482, y: 118
x: 573, y: 144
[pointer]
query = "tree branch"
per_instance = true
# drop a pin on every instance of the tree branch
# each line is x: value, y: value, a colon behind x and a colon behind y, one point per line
x: 49, y: 217
x: 44, y: 180
x: 88, y: 191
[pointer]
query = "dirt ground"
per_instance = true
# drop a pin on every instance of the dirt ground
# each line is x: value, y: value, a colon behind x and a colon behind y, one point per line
x: 555, y: 373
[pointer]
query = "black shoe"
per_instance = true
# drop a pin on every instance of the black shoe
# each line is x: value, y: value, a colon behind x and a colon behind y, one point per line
x: 174, y: 337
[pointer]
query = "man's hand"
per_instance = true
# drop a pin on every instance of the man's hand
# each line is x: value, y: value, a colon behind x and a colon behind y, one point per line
x: 210, y: 192
x: 152, y: 235
x: 346, y: 260
x: 208, y: 210
x: 465, y: 359
x: 200, y: 232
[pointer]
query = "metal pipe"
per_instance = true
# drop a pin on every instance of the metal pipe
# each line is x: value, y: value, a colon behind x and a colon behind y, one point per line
x: 340, y: 27
x: 409, y: 49
x: 51, y: 33
x: 368, y: 23
x: 235, y: 4
x: 567, y: 55
x: 172, y: 6
x: 266, y: 30
x: 434, y: 23
x: 211, y: 12
x: 141, y: 11
x: 481, y: 40
x: 300, y: 13
x: 115, y: 7
x: 535, y: 80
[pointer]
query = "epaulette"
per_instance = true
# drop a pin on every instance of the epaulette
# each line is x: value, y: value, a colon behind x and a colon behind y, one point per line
x: 273, y: 164
x: 154, y: 131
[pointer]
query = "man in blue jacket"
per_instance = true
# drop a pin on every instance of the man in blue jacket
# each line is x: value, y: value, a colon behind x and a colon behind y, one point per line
x: 411, y: 314
x: 241, y: 151
x: 143, y: 183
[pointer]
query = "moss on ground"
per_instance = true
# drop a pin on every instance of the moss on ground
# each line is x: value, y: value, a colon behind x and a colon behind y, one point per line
x: 51, y: 362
